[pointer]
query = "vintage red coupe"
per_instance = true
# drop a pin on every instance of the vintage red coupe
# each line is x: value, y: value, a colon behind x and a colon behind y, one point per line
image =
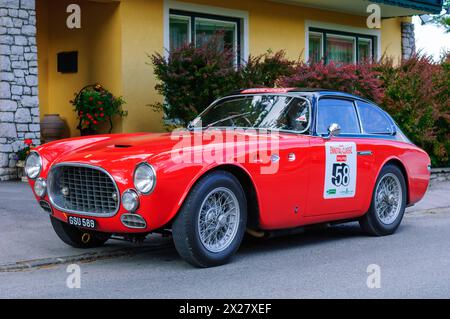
x: 265, y: 161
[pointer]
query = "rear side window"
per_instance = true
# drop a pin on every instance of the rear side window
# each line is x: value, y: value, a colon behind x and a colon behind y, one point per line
x: 374, y: 121
x: 337, y: 111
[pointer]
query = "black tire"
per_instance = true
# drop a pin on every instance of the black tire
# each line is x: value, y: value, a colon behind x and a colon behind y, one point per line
x: 185, y: 226
x: 76, y: 237
x: 371, y: 222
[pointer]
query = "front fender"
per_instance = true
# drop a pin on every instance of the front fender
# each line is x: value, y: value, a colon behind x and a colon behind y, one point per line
x: 174, y: 182
x: 52, y: 151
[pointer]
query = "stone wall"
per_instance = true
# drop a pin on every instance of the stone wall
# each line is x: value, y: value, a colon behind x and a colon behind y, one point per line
x: 19, y: 104
x: 440, y: 175
x: 408, y: 40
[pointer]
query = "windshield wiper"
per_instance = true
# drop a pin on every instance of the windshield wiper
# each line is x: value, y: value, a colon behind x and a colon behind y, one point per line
x: 227, y: 119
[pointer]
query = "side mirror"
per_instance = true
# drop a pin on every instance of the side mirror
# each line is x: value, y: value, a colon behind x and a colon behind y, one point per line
x: 192, y: 124
x: 334, y: 130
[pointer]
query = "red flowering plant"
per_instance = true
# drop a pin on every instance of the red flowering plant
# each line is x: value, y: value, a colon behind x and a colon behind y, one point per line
x: 95, y: 105
x: 21, y: 155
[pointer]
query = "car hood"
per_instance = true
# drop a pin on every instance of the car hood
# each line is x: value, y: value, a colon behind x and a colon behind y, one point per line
x: 96, y: 150
x: 126, y: 148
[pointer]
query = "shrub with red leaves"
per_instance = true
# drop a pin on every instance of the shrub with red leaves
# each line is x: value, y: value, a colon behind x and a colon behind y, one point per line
x: 191, y: 78
x: 417, y: 95
x: 264, y: 70
x: 416, y: 92
x: 360, y: 79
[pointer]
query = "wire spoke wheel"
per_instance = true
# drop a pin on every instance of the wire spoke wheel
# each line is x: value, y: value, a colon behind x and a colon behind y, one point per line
x: 218, y: 221
x: 388, y: 199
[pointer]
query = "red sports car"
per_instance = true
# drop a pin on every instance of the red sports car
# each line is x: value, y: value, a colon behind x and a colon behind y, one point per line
x: 265, y: 161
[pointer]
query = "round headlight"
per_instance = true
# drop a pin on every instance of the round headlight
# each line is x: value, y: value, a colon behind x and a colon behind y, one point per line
x: 40, y: 187
x: 130, y: 200
x: 145, y: 178
x: 33, y: 165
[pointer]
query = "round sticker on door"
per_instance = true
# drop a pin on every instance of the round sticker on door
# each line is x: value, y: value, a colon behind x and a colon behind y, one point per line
x: 340, y: 170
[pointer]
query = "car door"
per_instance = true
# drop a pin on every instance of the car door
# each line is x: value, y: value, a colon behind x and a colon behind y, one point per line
x: 338, y: 171
x: 283, y: 185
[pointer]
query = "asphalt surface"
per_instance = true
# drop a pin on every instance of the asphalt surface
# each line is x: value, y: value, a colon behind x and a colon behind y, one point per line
x: 331, y: 263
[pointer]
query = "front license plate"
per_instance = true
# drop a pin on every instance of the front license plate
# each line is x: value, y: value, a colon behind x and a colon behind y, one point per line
x: 82, y: 222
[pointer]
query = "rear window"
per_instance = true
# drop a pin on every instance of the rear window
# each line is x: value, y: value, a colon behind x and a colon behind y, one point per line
x: 374, y: 120
x: 337, y: 111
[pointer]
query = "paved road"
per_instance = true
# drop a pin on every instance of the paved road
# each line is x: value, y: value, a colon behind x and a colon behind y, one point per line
x: 328, y: 263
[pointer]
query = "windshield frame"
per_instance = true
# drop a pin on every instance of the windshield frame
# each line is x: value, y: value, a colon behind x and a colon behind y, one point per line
x: 229, y: 97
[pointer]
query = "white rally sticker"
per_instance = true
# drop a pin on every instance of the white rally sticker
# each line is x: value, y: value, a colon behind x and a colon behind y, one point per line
x: 340, y: 170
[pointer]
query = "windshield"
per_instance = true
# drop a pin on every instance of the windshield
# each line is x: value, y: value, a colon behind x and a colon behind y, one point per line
x: 258, y: 111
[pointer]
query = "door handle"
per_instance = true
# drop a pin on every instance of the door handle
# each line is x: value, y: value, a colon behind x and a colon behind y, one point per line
x: 292, y: 157
x: 365, y: 153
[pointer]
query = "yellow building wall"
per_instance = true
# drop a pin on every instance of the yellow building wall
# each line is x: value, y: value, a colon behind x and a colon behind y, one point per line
x: 116, y: 37
x: 98, y: 43
x: 142, y: 34
x: 391, y: 38
x: 279, y: 26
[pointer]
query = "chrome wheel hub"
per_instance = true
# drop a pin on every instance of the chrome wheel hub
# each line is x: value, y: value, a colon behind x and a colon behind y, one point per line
x: 388, y: 199
x: 218, y: 221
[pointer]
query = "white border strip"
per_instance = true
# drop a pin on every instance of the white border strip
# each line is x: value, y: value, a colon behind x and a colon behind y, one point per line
x: 343, y: 28
x: 197, y: 8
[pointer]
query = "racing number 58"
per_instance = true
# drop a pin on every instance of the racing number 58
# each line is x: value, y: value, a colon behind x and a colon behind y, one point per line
x: 341, y: 175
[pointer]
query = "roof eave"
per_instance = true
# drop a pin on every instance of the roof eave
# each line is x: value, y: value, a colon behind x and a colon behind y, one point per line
x: 420, y: 6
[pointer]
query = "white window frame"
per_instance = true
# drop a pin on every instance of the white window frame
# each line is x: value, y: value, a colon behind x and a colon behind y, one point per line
x: 343, y: 28
x: 197, y: 8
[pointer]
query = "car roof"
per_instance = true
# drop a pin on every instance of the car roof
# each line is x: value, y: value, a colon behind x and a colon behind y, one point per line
x: 312, y: 91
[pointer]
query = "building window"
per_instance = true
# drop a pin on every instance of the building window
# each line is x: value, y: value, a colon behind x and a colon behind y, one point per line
x: 315, y: 47
x: 366, y: 49
x: 180, y: 31
x: 188, y: 27
x: 340, y: 47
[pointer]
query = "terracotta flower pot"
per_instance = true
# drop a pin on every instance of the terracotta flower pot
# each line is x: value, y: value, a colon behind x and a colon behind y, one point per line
x: 52, y: 128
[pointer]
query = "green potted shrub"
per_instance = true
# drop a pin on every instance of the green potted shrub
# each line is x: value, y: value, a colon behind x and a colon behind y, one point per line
x: 94, y: 106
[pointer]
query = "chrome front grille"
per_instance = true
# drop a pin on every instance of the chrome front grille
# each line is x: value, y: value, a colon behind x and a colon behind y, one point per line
x: 83, y: 190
